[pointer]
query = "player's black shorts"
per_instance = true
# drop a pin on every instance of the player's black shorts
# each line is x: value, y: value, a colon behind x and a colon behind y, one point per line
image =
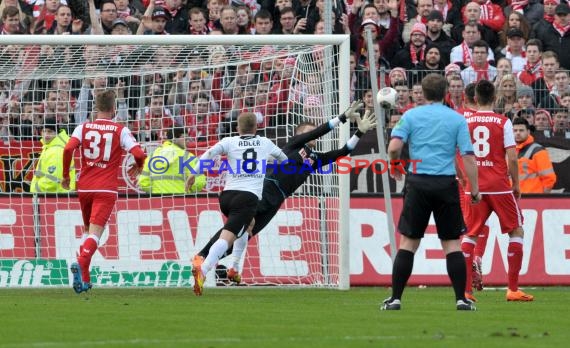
x: 425, y: 194
x: 239, y: 207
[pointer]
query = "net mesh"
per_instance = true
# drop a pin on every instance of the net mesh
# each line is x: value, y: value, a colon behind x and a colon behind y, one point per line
x: 150, y: 239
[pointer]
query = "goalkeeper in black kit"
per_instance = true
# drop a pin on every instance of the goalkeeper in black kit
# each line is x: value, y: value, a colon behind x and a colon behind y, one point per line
x: 284, y: 181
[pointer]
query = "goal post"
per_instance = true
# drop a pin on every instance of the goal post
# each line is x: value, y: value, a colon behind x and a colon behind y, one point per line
x: 200, y: 83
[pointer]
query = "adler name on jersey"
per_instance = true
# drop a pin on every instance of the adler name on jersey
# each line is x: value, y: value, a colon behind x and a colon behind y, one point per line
x: 99, y: 126
x: 252, y: 142
x: 484, y: 119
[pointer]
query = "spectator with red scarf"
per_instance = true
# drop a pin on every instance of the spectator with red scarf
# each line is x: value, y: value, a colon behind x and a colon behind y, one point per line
x: 557, y: 36
x: 532, y: 70
x: 414, y: 51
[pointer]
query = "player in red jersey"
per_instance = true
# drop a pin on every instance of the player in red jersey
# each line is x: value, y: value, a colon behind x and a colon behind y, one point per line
x: 469, y: 108
x: 100, y: 143
x: 493, y: 141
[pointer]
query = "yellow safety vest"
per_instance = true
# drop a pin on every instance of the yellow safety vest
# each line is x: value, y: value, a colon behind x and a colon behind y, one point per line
x: 49, y: 169
x: 171, y: 180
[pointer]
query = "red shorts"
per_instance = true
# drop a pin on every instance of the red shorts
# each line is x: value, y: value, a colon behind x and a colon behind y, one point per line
x: 96, y: 207
x: 504, y: 205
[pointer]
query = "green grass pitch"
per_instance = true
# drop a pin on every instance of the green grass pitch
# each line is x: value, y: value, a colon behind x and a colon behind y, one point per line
x: 277, y: 317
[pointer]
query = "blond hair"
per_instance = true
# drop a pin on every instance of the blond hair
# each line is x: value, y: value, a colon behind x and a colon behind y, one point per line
x: 247, y: 123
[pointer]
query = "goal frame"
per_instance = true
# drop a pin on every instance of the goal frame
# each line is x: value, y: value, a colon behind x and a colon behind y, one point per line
x: 342, y: 41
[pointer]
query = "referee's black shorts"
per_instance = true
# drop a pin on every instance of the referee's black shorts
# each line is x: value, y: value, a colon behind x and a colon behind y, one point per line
x: 239, y: 207
x: 424, y: 194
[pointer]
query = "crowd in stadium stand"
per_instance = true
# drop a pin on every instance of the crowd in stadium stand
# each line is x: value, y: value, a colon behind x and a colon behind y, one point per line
x: 523, y: 46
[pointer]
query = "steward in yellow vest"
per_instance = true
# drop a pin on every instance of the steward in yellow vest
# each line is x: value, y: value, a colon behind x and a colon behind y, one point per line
x: 161, y: 171
x: 49, y: 169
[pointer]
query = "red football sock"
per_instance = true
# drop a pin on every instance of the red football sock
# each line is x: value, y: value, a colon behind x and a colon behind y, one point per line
x: 482, y: 241
x: 514, y: 257
x: 87, y: 250
x: 467, y: 246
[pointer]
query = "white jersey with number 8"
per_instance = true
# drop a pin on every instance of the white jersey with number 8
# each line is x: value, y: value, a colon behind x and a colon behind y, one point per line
x: 246, y: 158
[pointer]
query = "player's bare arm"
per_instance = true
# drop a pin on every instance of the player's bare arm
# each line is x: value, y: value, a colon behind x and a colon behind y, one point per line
x: 394, y: 151
x: 471, y: 171
x: 512, y: 161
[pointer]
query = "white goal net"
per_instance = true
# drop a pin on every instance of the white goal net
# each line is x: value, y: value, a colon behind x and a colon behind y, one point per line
x: 200, y: 83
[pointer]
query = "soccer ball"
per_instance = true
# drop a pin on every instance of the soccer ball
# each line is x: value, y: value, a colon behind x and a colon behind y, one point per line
x: 387, y: 97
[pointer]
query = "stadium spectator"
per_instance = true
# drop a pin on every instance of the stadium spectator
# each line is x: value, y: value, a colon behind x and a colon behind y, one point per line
x: 214, y: 8
x: 64, y: 23
x: 561, y: 85
x: 454, y: 97
x: 532, y: 70
x: 480, y: 69
x: 531, y: 10
x: 437, y: 36
x: 414, y: 51
x: 155, y: 119
x: 173, y: 179
x: 201, y: 121
x: 25, y: 19
x: 262, y: 22
x: 433, y: 183
x: 287, y: 21
x: 526, y: 114
x: 515, y: 20
x: 44, y: 16
x: 504, y: 67
x: 228, y: 21
x: 462, y: 54
x: 128, y: 12
x: 430, y: 64
x: 506, y: 95
x: 417, y: 94
x: 556, y: 37
x: 177, y: 20
x: 514, y: 50
x: 544, y: 23
x: 544, y: 84
x: 108, y: 13
x: 542, y: 120
x: 403, y: 102
x: 423, y: 8
x: 97, y: 186
x: 565, y: 99
x: 48, y: 174
x: 197, y: 24
x: 244, y: 19
x: 472, y: 14
x: 525, y: 97
x: 120, y: 27
x: 451, y: 13
x: 560, y: 119
x: 536, y: 174
x: 11, y: 21
x: 157, y: 23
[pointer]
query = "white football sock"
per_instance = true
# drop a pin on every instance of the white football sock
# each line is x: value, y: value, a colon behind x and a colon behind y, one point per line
x: 216, y: 251
x: 239, y: 247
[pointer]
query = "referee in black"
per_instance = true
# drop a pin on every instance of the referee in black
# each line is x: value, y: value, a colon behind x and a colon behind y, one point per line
x: 434, y: 132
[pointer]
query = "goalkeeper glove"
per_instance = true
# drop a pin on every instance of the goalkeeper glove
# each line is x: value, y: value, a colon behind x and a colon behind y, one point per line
x: 352, y: 113
x: 367, y: 122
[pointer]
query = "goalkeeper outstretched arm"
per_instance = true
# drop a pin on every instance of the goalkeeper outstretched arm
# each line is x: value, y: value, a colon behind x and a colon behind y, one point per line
x: 366, y: 123
x: 298, y: 141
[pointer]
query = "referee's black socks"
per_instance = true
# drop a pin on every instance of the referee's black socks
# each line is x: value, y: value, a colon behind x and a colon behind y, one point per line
x: 401, y: 271
x: 457, y: 273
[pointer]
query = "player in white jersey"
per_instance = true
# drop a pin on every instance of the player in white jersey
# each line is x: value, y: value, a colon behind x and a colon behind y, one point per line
x: 246, y: 154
